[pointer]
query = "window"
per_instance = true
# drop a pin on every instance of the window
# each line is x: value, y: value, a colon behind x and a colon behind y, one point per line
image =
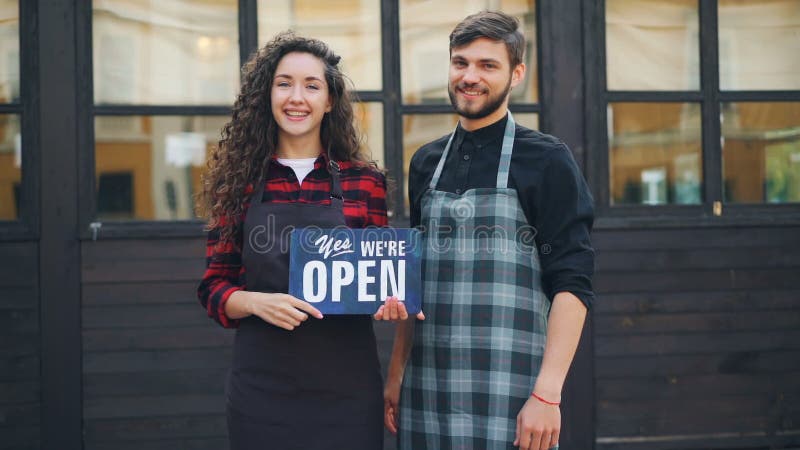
x: 164, y: 75
x: 702, y: 104
x: 10, y: 113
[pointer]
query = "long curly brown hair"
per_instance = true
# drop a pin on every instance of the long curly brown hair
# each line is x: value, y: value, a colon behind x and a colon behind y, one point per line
x: 251, y: 137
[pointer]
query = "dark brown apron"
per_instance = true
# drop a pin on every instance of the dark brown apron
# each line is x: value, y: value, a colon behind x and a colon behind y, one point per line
x: 318, y: 386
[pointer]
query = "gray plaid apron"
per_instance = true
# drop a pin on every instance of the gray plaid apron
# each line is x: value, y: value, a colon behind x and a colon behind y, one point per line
x: 477, y: 354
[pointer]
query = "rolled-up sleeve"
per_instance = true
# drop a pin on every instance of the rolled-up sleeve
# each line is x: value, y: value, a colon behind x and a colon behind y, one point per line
x: 223, y: 276
x: 565, y: 214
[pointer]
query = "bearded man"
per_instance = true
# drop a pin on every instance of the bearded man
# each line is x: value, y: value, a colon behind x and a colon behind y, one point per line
x: 506, y: 217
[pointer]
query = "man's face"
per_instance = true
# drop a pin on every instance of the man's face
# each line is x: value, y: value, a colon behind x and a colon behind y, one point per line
x: 481, y: 78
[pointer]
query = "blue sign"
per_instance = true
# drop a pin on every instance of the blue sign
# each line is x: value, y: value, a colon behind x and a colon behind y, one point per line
x: 353, y: 270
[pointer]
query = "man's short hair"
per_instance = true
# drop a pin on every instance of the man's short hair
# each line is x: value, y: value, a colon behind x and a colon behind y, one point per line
x: 494, y: 25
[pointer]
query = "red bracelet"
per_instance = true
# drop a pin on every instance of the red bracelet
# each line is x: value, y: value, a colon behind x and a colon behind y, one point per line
x: 533, y: 394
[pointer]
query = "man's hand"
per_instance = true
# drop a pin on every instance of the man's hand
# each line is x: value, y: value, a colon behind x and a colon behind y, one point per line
x: 393, y: 310
x: 538, y: 425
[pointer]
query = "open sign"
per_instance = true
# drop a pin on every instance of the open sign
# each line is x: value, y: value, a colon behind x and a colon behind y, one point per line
x: 352, y: 271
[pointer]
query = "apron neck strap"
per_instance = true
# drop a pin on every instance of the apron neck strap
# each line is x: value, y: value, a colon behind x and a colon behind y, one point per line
x: 505, y: 156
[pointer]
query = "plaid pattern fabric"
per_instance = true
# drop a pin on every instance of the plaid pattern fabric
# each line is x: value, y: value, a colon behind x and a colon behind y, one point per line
x: 476, y: 356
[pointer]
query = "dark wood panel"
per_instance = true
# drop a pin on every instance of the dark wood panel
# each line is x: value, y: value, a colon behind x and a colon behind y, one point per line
x: 698, y: 301
x: 698, y: 386
x: 690, y: 420
x: 145, y: 316
x: 156, y: 338
x: 731, y: 440
x: 692, y: 238
x: 14, y: 322
x: 19, y: 344
x: 19, y: 391
x: 696, y: 280
x: 146, y: 406
x: 19, y: 266
x: 147, y: 428
x: 19, y: 367
x: 19, y: 297
x: 631, y: 324
x: 121, y: 270
x: 697, y: 258
x: 217, y: 443
x: 155, y: 360
x: 696, y: 408
x: 178, y: 382
x: 19, y: 414
x: 150, y: 249
x: 132, y: 293
x: 20, y: 438
x: 745, y: 362
x: 648, y: 345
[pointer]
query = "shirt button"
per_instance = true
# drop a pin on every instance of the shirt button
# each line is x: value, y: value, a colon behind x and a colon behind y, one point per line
x: 458, y: 191
x: 466, y: 157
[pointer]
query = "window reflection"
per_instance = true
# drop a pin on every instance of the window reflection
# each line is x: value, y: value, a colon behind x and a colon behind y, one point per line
x: 10, y: 166
x: 761, y: 152
x: 9, y: 51
x: 351, y: 28
x: 424, y: 36
x: 419, y: 129
x: 178, y: 52
x: 759, y: 44
x: 148, y: 167
x: 655, y: 153
x: 652, y: 45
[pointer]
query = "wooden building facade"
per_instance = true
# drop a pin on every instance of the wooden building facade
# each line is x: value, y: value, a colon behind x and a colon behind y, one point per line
x: 108, y: 107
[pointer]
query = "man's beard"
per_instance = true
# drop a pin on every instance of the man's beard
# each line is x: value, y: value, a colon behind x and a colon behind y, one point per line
x: 492, y: 104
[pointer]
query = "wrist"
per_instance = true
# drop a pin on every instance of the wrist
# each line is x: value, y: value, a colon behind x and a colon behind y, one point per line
x: 546, y: 401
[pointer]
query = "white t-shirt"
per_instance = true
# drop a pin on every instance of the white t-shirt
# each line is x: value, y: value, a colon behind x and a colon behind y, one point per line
x: 301, y: 166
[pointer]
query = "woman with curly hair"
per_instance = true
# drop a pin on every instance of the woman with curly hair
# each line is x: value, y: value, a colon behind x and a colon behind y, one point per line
x: 290, y: 157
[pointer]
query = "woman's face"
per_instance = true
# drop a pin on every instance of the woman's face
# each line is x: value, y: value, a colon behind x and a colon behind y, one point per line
x: 299, y: 96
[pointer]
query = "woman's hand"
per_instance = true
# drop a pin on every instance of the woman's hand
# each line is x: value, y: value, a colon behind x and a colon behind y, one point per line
x: 394, y: 310
x: 391, y: 399
x: 281, y: 310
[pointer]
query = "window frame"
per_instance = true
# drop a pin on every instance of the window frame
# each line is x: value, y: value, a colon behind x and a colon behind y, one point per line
x: 709, y: 96
x: 26, y: 226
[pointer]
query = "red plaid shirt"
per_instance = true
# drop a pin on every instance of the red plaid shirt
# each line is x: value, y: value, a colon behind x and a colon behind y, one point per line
x: 364, y: 192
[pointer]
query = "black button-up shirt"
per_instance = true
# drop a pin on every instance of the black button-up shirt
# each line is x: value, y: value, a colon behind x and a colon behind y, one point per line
x: 552, y: 191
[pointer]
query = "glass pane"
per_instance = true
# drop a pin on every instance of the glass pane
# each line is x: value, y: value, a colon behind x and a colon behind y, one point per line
x: 655, y: 153
x: 419, y: 129
x: 177, y: 52
x: 148, y: 167
x: 759, y: 44
x: 352, y: 28
x: 10, y: 166
x: 424, y: 43
x: 761, y: 152
x: 9, y: 51
x: 652, y: 45
x: 369, y: 120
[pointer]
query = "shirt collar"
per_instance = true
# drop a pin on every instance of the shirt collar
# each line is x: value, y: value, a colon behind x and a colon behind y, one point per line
x: 322, y: 161
x: 482, y: 136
